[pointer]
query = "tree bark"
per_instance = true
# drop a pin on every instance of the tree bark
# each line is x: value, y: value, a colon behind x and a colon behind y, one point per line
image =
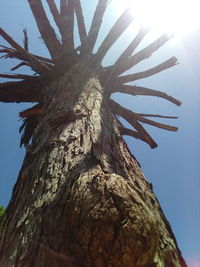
x: 81, y: 198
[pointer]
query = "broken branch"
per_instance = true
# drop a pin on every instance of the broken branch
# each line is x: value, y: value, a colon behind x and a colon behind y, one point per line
x: 55, y: 13
x: 141, y: 75
x: 47, y: 32
x: 34, y: 62
x: 156, y: 124
x: 15, y: 76
x: 20, y: 65
x: 118, y: 28
x: 157, y: 116
x: 143, y: 54
x: 132, y: 119
x: 25, y: 39
x: 29, y: 90
x: 81, y: 23
x: 122, y: 60
x: 13, y: 53
x: 96, y: 23
x: 137, y: 90
x: 67, y: 29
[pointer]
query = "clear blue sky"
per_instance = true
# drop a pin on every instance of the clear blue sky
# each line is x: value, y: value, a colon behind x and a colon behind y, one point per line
x: 173, y: 167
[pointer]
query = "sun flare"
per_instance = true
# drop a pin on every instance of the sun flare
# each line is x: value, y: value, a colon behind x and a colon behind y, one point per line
x: 173, y: 16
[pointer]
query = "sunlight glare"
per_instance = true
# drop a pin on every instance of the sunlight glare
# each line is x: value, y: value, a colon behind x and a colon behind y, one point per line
x: 173, y: 16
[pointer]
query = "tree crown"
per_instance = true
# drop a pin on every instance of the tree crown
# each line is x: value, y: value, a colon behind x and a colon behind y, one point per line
x: 64, y: 55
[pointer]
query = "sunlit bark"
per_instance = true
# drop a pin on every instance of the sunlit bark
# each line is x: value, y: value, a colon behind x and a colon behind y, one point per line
x: 81, y: 198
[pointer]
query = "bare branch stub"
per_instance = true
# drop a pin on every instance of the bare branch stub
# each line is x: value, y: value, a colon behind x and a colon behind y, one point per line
x: 146, y: 52
x: 144, y: 74
x: 20, y: 65
x: 118, y: 28
x: 38, y: 66
x: 156, y: 116
x: 47, y: 32
x: 157, y: 124
x: 55, y: 13
x: 123, y: 58
x: 129, y: 132
x: 133, y: 120
x: 14, y: 53
x: 67, y: 19
x: 25, y: 39
x: 22, y: 91
x: 138, y: 90
x: 81, y: 24
x: 96, y: 23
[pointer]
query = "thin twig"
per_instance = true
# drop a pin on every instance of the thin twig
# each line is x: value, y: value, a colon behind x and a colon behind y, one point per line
x: 14, y: 53
x: 38, y: 66
x: 157, y: 124
x: 20, y: 65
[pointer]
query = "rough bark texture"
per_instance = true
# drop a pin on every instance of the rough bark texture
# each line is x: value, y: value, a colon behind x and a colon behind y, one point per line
x: 81, y: 198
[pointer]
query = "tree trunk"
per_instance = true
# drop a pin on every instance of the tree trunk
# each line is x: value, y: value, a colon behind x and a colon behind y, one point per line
x: 81, y: 198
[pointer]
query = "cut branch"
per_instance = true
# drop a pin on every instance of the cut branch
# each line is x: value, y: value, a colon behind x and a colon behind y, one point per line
x: 143, y: 54
x: 126, y: 131
x: 81, y: 24
x: 25, y: 39
x: 34, y: 62
x: 122, y: 60
x: 22, y: 91
x: 35, y: 110
x: 56, y: 15
x: 157, y: 116
x: 45, y: 29
x: 119, y: 27
x: 156, y: 124
x: 44, y: 59
x: 140, y: 75
x: 15, y: 76
x: 13, y: 53
x: 67, y: 29
x: 137, y: 90
x: 132, y: 119
x: 96, y: 23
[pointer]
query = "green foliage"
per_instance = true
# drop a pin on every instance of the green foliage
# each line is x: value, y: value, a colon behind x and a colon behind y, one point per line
x: 2, y: 211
